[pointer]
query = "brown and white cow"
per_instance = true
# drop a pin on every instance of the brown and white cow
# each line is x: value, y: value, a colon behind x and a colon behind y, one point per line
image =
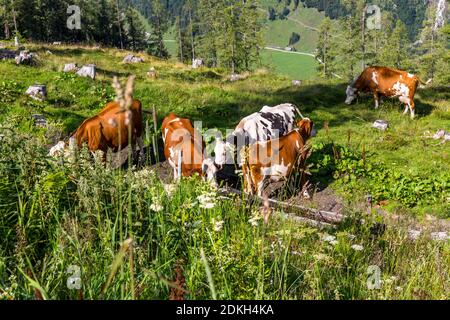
x: 183, y: 146
x: 110, y: 129
x: 386, y: 82
x: 275, y: 160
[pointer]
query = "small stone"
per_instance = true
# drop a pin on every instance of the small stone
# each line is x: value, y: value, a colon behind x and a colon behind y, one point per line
x: 296, y: 83
x: 37, y: 92
x: 71, y: 67
x: 132, y: 59
x: 197, y: 63
x: 88, y: 71
x: 39, y: 120
x: 440, y: 236
x: 380, y: 125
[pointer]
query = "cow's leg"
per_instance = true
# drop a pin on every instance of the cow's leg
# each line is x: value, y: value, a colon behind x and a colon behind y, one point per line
x: 412, y: 107
x: 376, y: 96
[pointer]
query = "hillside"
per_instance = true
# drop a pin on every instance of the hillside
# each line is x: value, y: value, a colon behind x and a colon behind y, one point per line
x: 131, y: 234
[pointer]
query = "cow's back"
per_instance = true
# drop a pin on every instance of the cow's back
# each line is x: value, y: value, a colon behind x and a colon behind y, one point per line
x: 385, y: 80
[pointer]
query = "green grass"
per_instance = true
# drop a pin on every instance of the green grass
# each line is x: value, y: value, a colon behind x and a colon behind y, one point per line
x: 56, y: 215
x: 278, y: 32
x: 295, y: 66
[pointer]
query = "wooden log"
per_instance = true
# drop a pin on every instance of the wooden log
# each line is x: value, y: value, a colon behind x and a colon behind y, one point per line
x: 317, y: 215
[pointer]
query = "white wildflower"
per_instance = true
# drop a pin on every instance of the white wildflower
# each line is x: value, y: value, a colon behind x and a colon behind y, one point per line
x: 334, y: 242
x: 357, y: 247
x: 207, y: 201
x: 414, y: 234
x: 328, y: 238
x: 170, y: 189
x: 440, y: 236
x: 254, y: 220
x: 217, y: 225
x: 156, y: 207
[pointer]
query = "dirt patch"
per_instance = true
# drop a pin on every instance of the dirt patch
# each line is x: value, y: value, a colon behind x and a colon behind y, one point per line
x: 324, y: 200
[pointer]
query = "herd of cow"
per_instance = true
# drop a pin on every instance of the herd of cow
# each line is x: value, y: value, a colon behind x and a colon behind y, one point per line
x: 267, y: 146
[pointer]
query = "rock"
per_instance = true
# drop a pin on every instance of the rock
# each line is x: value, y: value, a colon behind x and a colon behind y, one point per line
x: 37, y: 92
x: 235, y: 77
x: 197, y: 63
x: 57, y: 43
x: 380, y: 125
x: 25, y: 57
x: 132, y: 59
x: 414, y: 234
x: 152, y: 73
x: 7, y: 54
x: 39, y: 120
x: 71, y: 67
x: 296, y: 83
x: 49, y: 52
x: 88, y: 70
x: 442, y: 134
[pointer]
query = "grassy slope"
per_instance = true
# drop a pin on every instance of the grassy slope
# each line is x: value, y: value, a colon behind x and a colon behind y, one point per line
x: 45, y: 222
x: 290, y: 64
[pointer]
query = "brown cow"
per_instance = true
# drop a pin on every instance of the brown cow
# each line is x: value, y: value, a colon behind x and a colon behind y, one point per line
x: 275, y: 160
x: 386, y: 82
x: 183, y: 146
x: 109, y: 129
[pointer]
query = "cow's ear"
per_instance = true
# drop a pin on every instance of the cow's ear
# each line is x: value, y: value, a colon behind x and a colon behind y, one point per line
x: 306, y: 127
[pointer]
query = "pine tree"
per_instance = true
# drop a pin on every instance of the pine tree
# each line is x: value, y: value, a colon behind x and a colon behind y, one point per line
x: 134, y: 28
x: 324, y: 53
x: 160, y: 24
x: 395, y: 51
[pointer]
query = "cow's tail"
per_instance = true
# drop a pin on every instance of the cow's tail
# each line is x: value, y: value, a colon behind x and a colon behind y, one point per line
x: 299, y: 113
x: 423, y: 83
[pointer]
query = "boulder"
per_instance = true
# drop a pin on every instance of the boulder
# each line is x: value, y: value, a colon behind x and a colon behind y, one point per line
x: 296, y: 83
x: 132, y: 59
x: 235, y: 77
x: 197, y: 63
x: 25, y: 57
x: 7, y: 54
x: 88, y: 70
x: 39, y: 120
x: 442, y: 134
x: 380, y: 125
x: 152, y: 73
x: 37, y: 92
x: 71, y: 67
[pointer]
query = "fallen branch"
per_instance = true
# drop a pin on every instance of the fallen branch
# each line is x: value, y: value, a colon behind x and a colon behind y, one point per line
x: 313, y: 214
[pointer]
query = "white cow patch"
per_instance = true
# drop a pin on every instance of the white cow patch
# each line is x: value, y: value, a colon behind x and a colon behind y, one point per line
x: 375, y: 78
x: 276, y: 171
x: 401, y: 89
x: 410, y: 75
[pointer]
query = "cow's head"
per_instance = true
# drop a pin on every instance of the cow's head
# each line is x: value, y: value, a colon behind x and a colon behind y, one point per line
x: 352, y: 94
x: 58, y: 149
x: 61, y: 148
x: 209, y: 170
x: 306, y: 128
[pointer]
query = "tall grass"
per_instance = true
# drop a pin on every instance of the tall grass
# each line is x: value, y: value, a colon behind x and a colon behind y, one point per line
x: 129, y: 234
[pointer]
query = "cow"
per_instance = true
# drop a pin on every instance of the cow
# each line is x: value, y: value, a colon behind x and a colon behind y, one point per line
x: 183, y: 146
x: 386, y: 82
x: 111, y: 129
x: 275, y: 160
x: 268, y: 123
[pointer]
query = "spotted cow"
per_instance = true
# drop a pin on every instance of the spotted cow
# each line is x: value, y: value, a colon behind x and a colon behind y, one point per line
x: 386, y: 82
x: 275, y: 160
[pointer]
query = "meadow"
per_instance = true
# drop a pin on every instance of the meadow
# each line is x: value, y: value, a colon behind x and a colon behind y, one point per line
x: 77, y: 230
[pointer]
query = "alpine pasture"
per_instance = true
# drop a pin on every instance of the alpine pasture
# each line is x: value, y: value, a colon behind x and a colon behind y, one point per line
x: 80, y: 230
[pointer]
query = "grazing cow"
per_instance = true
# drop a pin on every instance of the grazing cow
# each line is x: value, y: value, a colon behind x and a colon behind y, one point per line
x: 183, y: 146
x: 275, y: 160
x: 269, y: 123
x: 110, y: 129
x: 386, y: 82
